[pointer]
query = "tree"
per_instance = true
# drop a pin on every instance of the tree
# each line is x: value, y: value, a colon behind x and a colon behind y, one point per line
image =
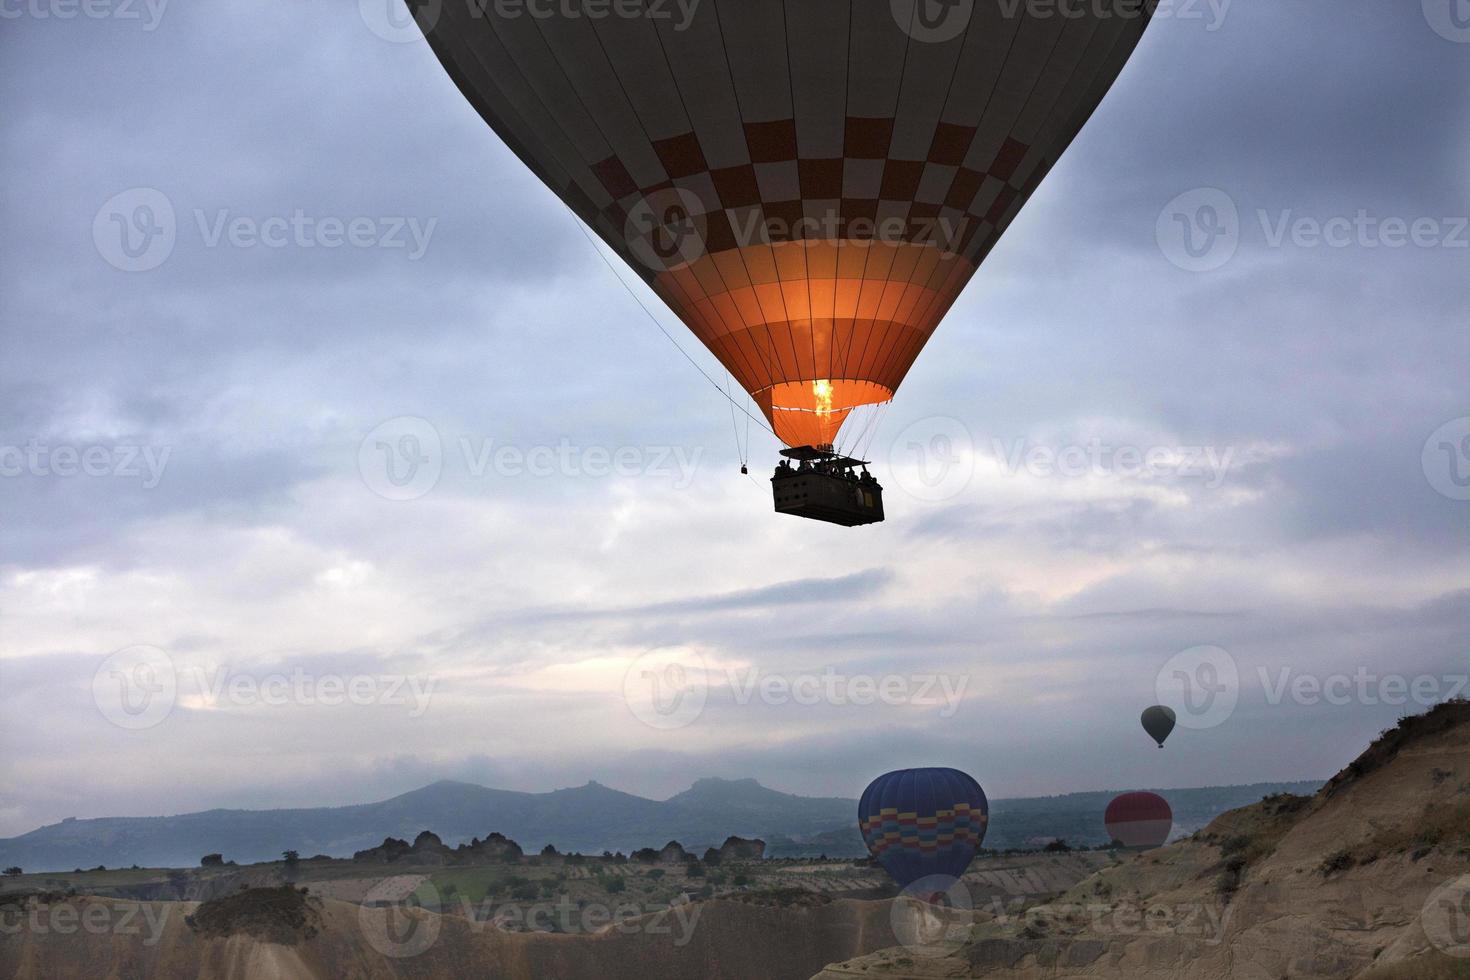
x: 292, y: 858
x: 212, y: 861
x: 1057, y: 846
x: 13, y: 871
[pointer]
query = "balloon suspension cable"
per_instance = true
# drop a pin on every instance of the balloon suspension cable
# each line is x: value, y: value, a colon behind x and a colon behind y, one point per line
x: 857, y: 445
x: 741, y: 451
x: 877, y: 423
x: 747, y: 430
x: 582, y: 227
x: 849, y: 446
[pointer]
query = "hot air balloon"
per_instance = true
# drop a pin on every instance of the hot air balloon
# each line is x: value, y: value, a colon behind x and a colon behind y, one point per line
x: 807, y: 184
x: 920, y: 823
x: 1158, y: 721
x: 1139, y: 820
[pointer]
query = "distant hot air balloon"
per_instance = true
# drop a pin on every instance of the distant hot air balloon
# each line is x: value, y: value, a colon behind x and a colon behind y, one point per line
x: 1158, y: 721
x: 807, y: 184
x: 923, y: 822
x: 1139, y: 820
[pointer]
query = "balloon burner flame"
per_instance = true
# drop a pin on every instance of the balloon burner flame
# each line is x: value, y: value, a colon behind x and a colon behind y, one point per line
x: 822, y: 393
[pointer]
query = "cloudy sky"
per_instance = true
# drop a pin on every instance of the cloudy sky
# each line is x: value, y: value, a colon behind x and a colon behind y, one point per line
x: 204, y: 459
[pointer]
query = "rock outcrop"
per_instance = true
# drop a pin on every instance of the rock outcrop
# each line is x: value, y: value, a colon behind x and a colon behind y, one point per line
x: 391, y: 849
x: 428, y: 848
x: 740, y: 849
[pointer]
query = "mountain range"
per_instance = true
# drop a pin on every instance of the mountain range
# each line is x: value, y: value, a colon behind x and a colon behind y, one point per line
x: 590, y: 819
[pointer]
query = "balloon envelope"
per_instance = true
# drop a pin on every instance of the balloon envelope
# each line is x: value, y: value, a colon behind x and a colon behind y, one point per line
x: 807, y: 184
x: 1158, y: 721
x: 1139, y: 820
x: 923, y: 822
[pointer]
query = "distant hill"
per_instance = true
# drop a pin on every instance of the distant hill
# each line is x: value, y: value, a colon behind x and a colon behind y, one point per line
x: 590, y: 818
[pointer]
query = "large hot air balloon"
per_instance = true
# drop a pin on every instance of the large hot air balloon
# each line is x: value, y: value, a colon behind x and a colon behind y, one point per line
x: 1139, y: 820
x: 923, y: 822
x: 807, y: 184
x: 1158, y: 721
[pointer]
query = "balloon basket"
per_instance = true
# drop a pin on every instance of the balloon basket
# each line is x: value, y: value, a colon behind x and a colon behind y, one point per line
x: 827, y: 486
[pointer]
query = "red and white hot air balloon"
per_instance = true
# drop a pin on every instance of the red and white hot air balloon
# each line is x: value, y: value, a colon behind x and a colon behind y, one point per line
x: 1139, y: 820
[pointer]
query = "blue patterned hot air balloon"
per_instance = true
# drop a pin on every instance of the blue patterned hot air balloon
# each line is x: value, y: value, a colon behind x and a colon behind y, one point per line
x: 923, y: 822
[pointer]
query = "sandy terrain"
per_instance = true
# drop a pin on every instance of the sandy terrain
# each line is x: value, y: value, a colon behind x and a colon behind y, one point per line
x: 790, y: 921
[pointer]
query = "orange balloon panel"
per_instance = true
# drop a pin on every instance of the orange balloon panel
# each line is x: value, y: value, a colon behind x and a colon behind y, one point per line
x: 810, y: 413
x: 808, y: 184
x: 813, y: 330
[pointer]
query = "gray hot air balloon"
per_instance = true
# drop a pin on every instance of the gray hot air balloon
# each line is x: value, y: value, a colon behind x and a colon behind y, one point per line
x: 807, y: 184
x: 1158, y: 721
